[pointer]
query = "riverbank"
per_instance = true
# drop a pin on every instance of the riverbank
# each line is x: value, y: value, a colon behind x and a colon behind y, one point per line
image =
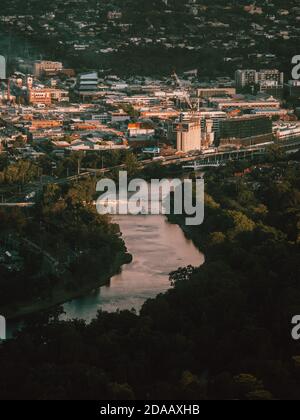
x: 60, y: 295
x: 189, y: 232
x: 159, y: 248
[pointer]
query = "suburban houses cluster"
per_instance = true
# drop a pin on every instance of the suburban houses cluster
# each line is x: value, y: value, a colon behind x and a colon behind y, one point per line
x: 95, y: 31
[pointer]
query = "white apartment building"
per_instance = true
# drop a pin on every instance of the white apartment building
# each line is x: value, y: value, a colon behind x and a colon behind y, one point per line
x: 245, y: 78
x: 262, y: 78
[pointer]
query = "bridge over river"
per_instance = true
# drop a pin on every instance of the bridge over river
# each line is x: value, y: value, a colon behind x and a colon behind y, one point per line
x: 220, y: 158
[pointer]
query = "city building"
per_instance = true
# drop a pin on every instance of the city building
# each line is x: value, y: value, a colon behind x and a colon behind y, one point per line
x: 40, y: 96
x: 293, y: 88
x: 215, y: 117
x: 140, y: 129
x: 265, y: 76
x: 2, y: 67
x: 285, y: 132
x: 119, y: 116
x: 279, y: 113
x: 59, y: 95
x: 87, y: 84
x: 188, y: 135
x: 251, y: 103
x: 209, y: 92
x: 42, y: 124
x: 114, y: 15
x: 245, y: 78
x: 271, y: 82
x: 272, y: 88
x: 246, y: 130
x: 47, y: 95
x: 208, y: 136
x: 162, y: 114
x: 47, y: 68
x: 268, y: 81
x: 207, y: 114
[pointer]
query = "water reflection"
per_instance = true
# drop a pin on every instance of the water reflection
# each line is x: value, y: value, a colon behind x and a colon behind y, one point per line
x: 157, y: 248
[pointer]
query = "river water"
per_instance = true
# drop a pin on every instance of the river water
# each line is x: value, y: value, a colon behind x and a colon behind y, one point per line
x: 158, y: 248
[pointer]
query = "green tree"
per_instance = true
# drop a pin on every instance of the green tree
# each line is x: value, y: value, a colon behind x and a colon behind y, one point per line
x: 21, y: 172
x: 241, y: 223
x: 131, y: 164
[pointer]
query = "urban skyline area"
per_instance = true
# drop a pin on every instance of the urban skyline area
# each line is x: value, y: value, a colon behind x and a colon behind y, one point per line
x: 191, y: 293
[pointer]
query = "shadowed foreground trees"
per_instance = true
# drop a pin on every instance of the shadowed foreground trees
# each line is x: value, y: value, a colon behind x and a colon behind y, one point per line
x: 64, y: 244
x: 223, y: 331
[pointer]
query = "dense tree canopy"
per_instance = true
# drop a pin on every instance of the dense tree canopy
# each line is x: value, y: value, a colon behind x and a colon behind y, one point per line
x: 223, y: 331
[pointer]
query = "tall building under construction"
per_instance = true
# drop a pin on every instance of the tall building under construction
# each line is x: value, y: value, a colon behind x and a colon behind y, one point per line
x: 188, y: 135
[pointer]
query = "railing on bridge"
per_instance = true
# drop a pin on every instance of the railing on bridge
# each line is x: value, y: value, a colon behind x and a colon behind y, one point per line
x: 219, y: 158
x: 198, y: 165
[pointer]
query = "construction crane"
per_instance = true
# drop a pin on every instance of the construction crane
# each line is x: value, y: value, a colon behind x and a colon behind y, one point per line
x: 193, y: 108
x: 186, y: 95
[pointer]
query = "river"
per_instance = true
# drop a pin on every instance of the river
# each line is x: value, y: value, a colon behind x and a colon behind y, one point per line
x: 158, y: 248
